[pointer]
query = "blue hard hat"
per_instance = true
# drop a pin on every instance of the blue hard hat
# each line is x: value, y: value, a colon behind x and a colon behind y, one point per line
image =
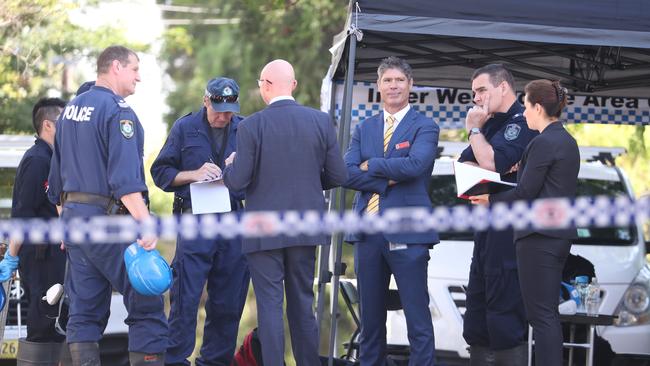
x: 148, y: 271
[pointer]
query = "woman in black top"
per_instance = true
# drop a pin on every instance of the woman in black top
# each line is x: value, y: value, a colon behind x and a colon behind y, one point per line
x: 548, y: 168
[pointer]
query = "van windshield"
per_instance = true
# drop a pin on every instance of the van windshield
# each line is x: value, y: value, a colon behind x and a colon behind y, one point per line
x: 442, y: 191
x: 609, y: 235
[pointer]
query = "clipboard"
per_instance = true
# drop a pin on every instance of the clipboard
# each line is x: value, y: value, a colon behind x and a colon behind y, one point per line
x: 210, y: 197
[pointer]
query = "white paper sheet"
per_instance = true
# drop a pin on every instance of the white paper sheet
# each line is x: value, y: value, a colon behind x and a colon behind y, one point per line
x: 469, y: 177
x: 210, y: 197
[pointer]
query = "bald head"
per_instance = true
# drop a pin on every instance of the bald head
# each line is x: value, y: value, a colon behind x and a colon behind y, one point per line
x: 277, y: 79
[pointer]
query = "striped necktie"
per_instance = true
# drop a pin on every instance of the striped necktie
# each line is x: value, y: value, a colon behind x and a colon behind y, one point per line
x: 373, y: 203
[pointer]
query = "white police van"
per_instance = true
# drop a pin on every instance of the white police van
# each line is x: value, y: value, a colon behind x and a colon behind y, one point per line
x: 618, y: 255
x: 114, y: 345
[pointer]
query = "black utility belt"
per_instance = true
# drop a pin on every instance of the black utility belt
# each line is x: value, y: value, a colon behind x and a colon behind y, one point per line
x: 109, y: 204
x: 180, y: 206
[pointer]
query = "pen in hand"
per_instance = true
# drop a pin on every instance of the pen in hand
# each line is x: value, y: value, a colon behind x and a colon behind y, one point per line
x: 218, y: 175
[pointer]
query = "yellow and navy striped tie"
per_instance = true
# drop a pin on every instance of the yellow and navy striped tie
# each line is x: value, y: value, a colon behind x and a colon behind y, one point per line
x: 373, y: 203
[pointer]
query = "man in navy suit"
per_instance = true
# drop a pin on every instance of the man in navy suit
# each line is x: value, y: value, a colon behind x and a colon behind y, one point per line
x: 287, y: 154
x: 390, y: 160
x: 197, y: 146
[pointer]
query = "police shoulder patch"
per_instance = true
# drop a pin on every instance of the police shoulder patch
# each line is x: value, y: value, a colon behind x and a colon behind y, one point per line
x: 126, y: 128
x: 512, y: 131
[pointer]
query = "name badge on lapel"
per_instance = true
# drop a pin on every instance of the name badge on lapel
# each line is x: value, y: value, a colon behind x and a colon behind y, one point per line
x: 402, y: 145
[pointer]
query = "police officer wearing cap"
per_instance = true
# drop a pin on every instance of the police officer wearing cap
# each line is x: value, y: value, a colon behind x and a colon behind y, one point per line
x: 41, y: 266
x: 97, y: 169
x: 195, y: 150
x: 495, y: 321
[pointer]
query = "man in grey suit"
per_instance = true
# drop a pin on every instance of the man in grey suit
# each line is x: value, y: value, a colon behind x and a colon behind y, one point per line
x: 287, y: 154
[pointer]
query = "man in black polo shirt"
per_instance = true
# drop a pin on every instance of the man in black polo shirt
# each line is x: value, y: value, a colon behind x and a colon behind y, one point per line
x: 41, y: 266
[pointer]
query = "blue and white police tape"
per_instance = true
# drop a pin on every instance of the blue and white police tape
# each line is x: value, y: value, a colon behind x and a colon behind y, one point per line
x: 555, y: 213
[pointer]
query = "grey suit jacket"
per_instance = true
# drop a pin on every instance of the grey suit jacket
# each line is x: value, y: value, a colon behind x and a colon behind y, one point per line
x: 287, y: 154
x: 549, y: 168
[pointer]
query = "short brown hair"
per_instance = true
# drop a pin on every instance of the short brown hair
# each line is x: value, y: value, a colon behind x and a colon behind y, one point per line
x: 497, y: 74
x: 393, y: 62
x: 112, y: 53
x: 549, y: 94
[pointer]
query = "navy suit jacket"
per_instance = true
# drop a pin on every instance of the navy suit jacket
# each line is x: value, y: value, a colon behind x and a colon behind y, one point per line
x: 188, y: 147
x: 287, y: 154
x: 408, y: 160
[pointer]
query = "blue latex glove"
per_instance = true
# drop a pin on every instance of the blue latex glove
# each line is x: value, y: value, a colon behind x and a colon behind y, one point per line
x: 7, y: 266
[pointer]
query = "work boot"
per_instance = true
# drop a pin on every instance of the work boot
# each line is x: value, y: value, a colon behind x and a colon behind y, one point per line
x: 84, y: 354
x: 481, y: 356
x: 38, y: 353
x: 65, y: 359
x: 146, y: 359
x: 515, y: 356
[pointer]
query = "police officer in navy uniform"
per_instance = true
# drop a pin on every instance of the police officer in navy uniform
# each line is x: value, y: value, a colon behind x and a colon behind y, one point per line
x: 97, y: 169
x: 495, y: 321
x: 41, y: 266
x: 195, y: 150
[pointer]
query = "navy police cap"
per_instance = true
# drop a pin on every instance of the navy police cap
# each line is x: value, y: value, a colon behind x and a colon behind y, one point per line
x: 223, y: 94
x: 85, y: 87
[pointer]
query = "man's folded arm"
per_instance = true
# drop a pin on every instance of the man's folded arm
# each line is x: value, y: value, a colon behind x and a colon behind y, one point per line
x: 358, y: 179
x: 421, y: 155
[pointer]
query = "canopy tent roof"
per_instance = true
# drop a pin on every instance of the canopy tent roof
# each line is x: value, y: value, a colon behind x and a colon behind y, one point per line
x: 597, y: 47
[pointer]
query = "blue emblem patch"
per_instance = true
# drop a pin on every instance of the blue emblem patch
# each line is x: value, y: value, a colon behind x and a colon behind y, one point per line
x: 126, y: 128
x: 512, y: 132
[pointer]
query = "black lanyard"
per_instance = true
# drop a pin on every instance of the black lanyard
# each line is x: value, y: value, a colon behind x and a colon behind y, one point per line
x: 224, y: 142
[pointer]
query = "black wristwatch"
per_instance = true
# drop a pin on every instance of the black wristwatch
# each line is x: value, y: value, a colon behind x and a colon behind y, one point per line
x: 473, y: 131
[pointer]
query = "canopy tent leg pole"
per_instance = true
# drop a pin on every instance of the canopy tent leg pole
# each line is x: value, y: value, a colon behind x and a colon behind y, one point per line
x: 344, y: 138
x: 324, y: 276
x: 324, y: 271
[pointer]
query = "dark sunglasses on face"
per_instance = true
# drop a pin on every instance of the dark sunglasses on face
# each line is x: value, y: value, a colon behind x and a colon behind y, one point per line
x: 223, y: 98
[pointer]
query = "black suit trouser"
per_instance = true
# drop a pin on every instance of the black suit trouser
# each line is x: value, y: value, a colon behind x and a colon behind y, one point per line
x: 275, y: 272
x: 541, y: 259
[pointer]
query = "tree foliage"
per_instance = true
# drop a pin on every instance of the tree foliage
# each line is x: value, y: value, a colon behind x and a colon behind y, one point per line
x: 261, y: 30
x: 38, y: 43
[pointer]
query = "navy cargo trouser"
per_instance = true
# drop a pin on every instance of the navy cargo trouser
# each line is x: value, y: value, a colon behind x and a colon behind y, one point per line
x: 41, y: 266
x: 219, y: 262
x: 93, y: 271
x: 495, y: 315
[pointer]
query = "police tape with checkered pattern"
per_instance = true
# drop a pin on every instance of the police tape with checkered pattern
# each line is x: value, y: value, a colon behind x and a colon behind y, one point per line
x: 556, y: 213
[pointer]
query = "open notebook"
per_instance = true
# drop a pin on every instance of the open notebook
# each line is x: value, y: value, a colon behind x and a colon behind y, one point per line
x: 472, y: 180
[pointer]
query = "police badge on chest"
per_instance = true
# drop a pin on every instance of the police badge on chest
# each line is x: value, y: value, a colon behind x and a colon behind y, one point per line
x: 512, y: 131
